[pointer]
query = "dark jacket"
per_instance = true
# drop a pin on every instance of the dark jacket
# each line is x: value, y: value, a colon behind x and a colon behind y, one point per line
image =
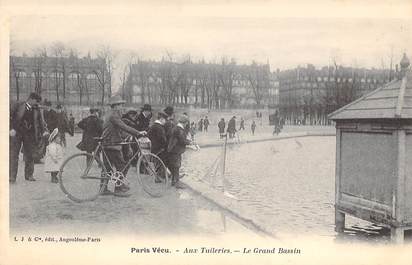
x: 169, y: 128
x: 63, y: 124
x: 231, y: 126
x: 157, y: 136
x: 176, y: 147
x: 143, y: 122
x: 92, y: 127
x: 178, y: 141
x: 129, y: 122
x: 112, y: 130
x: 221, y: 125
x: 36, y: 128
x: 50, y: 117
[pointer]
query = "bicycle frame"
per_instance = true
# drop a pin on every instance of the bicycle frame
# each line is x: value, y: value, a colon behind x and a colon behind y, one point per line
x: 100, y: 148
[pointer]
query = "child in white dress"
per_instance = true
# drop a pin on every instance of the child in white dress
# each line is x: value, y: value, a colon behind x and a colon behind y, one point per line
x: 54, y: 155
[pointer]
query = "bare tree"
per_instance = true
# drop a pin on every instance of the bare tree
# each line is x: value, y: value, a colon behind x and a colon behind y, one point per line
x: 226, y: 78
x: 59, y: 65
x: 16, y: 75
x: 104, y: 71
x: 39, y: 57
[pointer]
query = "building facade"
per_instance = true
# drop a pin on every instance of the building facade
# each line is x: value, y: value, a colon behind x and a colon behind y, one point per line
x: 307, y: 94
x: 69, y: 80
x: 206, y: 85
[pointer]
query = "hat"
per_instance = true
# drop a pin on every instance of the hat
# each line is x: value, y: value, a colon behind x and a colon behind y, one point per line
x: 162, y: 114
x: 116, y: 100
x: 93, y: 110
x: 169, y: 110
x: 147, y: 107
x: 53, y: 135
x: 183, y: 119
x: 131, y: 110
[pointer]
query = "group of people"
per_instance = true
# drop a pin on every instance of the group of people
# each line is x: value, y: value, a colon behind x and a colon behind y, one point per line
x: 33, y: 125
x: 231, y: 127
x: 29, y: 125
x: 168, y: 137
x: 203, y: 124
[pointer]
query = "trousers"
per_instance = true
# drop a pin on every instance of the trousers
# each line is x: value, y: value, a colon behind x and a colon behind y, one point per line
x: 15, y: 145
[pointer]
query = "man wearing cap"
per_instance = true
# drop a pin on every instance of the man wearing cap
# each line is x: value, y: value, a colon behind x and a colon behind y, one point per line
x: 176, y: 147
x: 112, y: 129
x: 27, y: 127
x: 143, y: 120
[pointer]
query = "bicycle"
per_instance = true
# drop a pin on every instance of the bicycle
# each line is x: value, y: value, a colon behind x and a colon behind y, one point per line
x: 83, y: 176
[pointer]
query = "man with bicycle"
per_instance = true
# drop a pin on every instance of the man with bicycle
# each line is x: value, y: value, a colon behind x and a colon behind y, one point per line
x: 112, y: 130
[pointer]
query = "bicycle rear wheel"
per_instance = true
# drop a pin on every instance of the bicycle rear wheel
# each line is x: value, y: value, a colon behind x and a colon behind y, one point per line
x: 152, y: 174
x: 81, y: 177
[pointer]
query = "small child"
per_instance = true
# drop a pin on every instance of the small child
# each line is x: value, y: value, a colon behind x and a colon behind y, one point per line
x: 54, y: 155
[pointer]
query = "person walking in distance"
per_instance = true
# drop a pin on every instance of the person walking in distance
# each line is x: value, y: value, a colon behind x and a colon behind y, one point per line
x: 72, y: 122
x: 221, y: 125
x: 242, y: 124
x: 206, y: 123
x: 231, y: 127
x: 200, y: 125
x: 253, y: 127
x: 27, y: 127
x: 176, y: 147
x: 54, y: 155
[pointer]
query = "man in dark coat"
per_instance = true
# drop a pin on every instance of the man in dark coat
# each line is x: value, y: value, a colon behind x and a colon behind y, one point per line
x: 157, y: 136
x: 231, y: 127
x: 92, y: 127
x: 143, y: 120
x: 221, y: 125
x: 27, y: 127
x: 176, y: 147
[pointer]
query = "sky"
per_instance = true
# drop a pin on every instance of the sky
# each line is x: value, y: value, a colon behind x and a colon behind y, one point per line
x: 284, y: 40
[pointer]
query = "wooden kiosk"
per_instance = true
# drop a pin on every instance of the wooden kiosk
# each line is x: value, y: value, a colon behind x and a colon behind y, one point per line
x: 374, y: 156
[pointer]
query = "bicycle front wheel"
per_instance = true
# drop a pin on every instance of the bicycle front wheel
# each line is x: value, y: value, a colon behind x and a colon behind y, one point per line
x: 81, y: 177
x: 152, y: 174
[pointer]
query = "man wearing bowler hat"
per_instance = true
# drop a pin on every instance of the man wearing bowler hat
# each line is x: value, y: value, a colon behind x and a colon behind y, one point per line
x: 112, y: 130
x: 143, y: 120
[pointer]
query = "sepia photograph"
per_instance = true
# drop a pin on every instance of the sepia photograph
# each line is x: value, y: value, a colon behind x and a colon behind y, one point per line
x: 205, y: 132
